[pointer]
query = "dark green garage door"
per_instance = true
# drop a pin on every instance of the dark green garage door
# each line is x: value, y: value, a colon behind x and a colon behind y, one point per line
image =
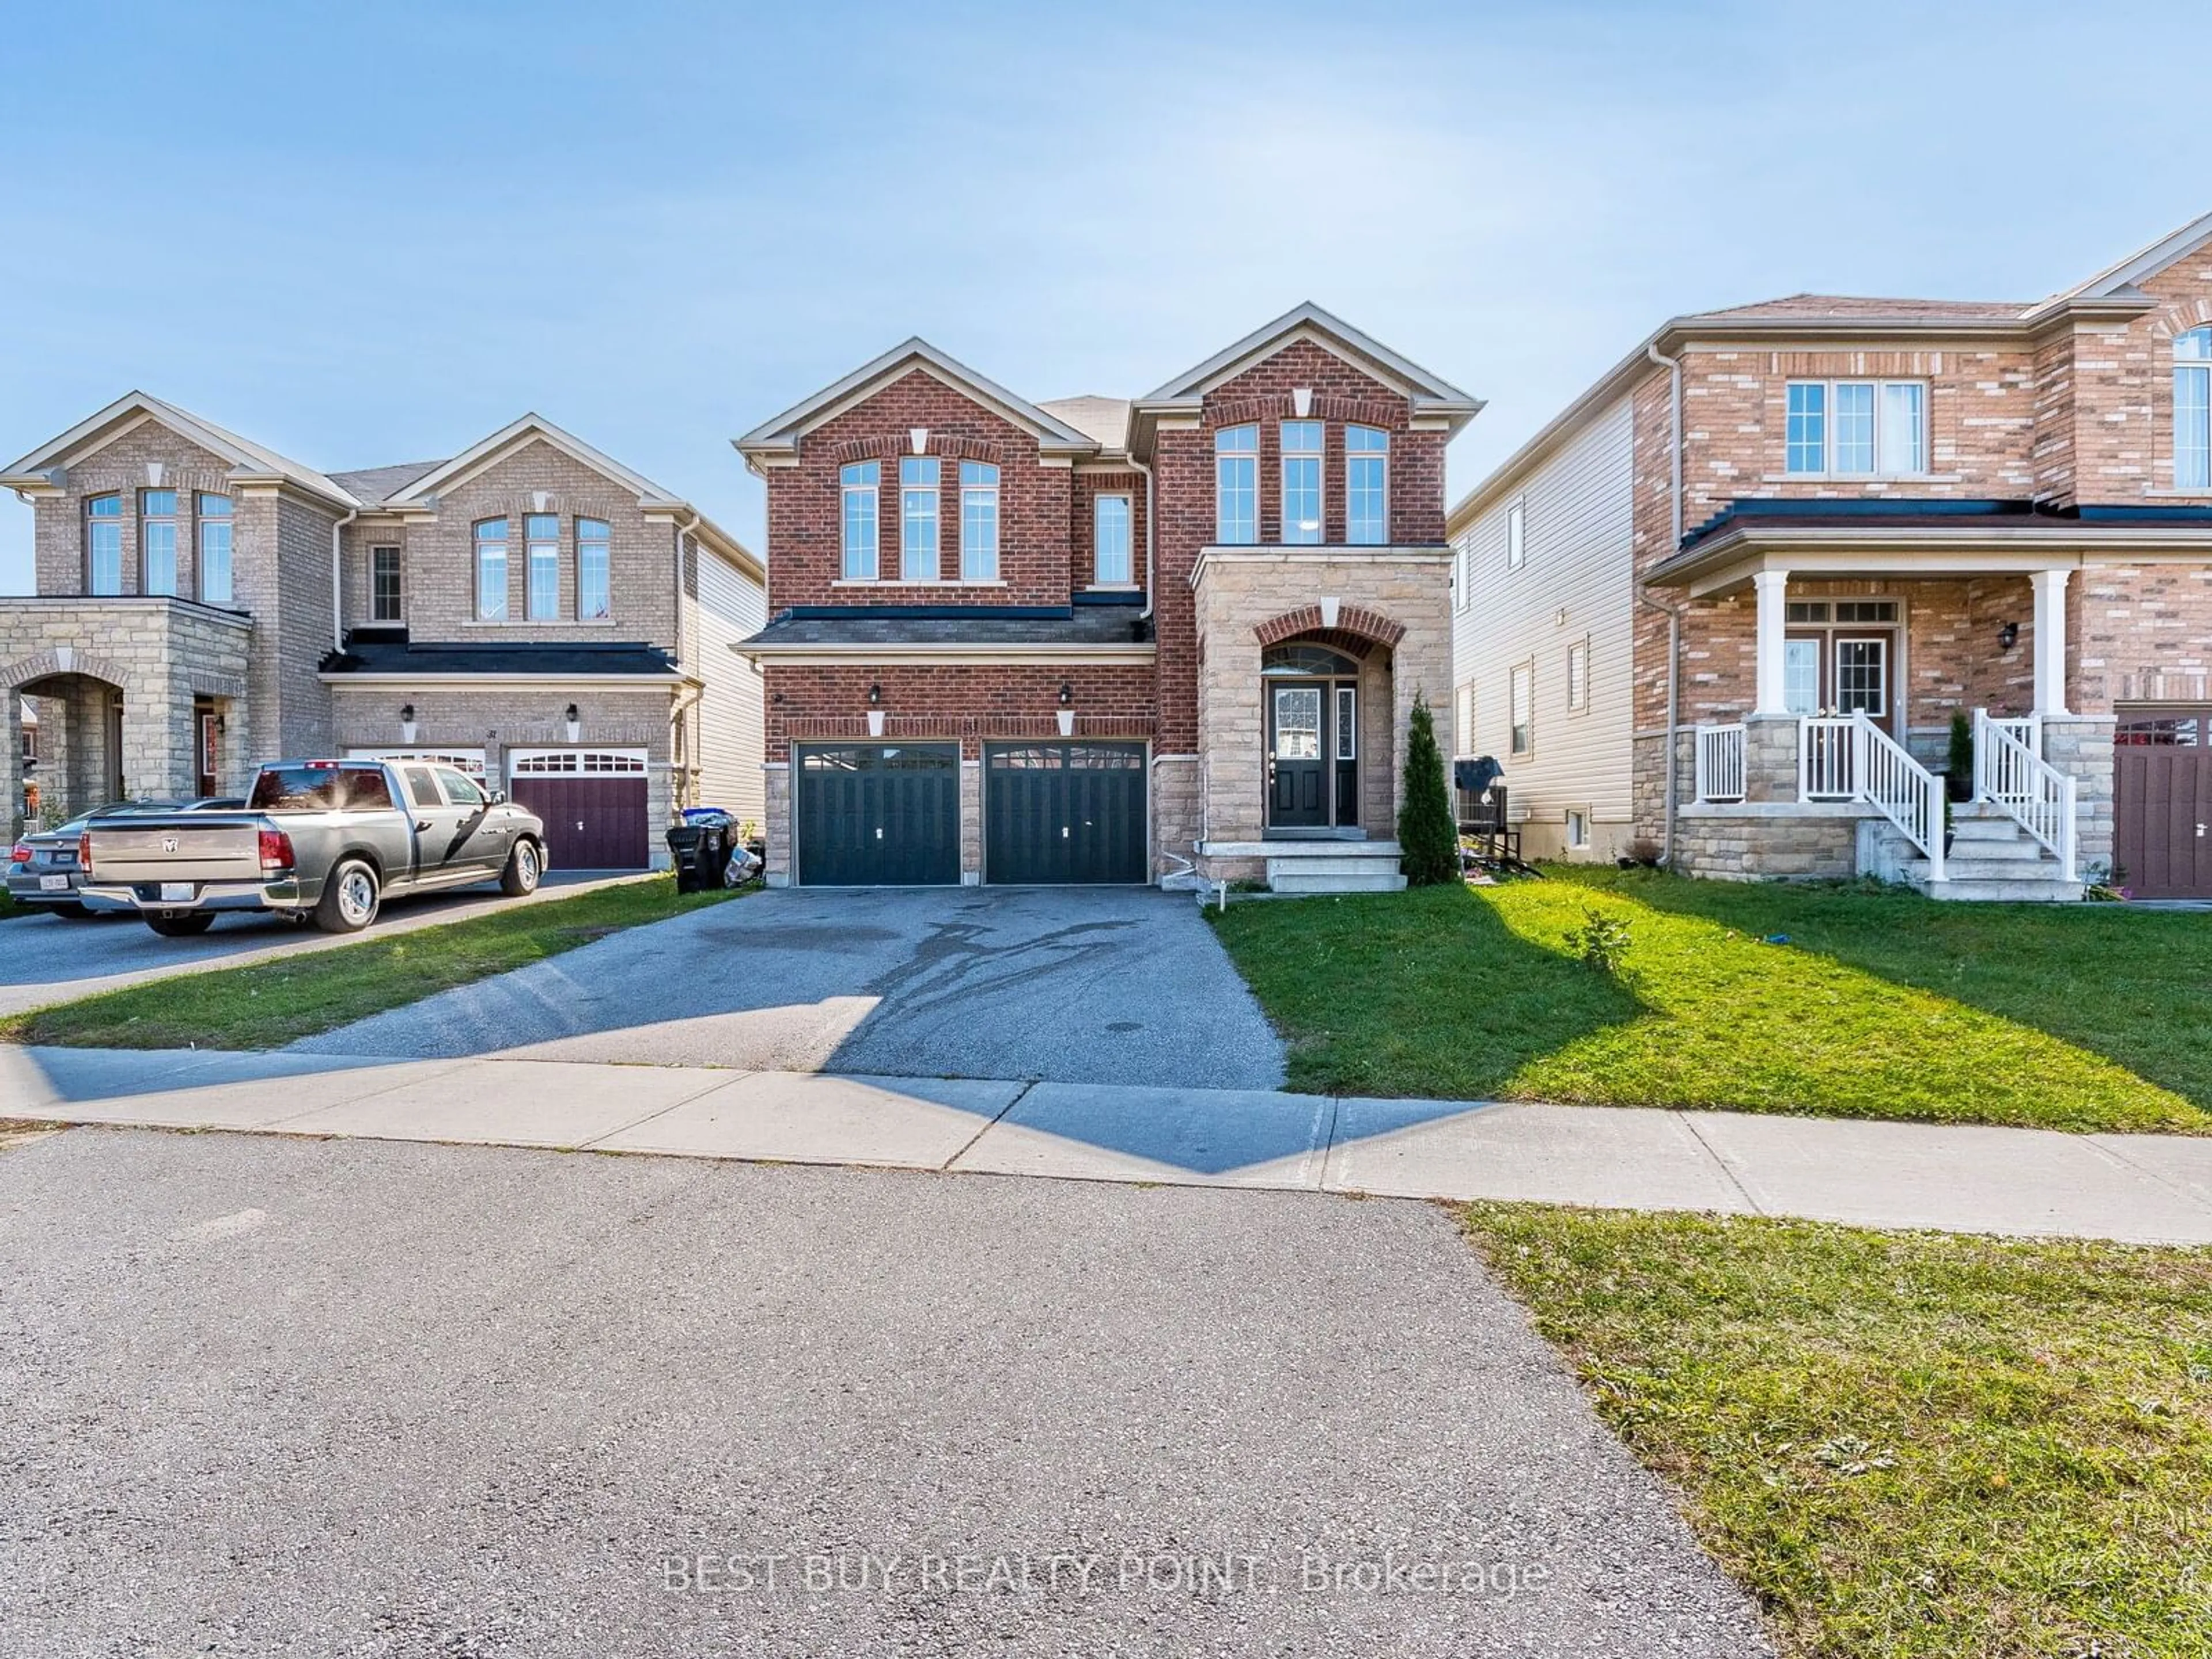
x: 879, y: 815
x: 1062, y: 812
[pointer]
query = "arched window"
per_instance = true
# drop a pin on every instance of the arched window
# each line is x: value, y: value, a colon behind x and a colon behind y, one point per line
x: 1307, y: 661
x: 857, y: 485
x: 2192, y: 410
x: 1236, y: 486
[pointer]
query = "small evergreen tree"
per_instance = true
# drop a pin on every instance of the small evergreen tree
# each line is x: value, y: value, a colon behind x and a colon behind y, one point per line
x: 1428, y: 837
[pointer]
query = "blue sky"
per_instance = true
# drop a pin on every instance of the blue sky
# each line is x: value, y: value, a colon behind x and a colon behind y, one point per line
x: 365, y: 233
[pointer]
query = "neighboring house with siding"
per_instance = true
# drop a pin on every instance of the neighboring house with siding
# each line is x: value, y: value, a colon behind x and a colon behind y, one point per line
x: 1171, y: 638
x: 551, y: 621
x: 1800, y: 536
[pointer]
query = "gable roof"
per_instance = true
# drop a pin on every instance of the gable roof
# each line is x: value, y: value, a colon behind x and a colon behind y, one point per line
x: 779, y: 434
x: 531, y: 428
x: 1857, y: 308
x: 1429, y: 394
x: 2117, y: 282
x: 249, y: 461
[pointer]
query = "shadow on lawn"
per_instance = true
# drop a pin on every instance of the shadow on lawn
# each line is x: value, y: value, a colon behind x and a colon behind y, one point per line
x: 2132, y: 986
x: 1368, y: 990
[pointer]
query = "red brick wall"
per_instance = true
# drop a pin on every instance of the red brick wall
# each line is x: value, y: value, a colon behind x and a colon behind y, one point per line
x: 970, y: 701
x: 1088, y: 486
x: 805, y: 509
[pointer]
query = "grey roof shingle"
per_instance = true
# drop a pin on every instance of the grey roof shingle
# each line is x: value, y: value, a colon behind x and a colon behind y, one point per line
x: 1106, y: 419
x: 1104, y: 624
x: 373, y: 484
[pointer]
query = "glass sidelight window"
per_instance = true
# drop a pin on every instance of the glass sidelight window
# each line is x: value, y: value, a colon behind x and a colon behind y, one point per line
x: 1347, y: 723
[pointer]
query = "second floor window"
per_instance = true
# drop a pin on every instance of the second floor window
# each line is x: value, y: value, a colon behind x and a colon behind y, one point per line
x: 857, y: 486
x: 979, y: 522
x: 1302, y: 460
x: 541, y: 536
x: 1855, y: 428
x: 594, y: 570
x: 103, y: 545
x: 384, y: 601
x: 918, y: 519
x: 1113, y: 563
x: 1516, y: 535
x: 216, y: 587
x: 491, y: 570
x: 1236, y: 486
x: 1366, y: 486
x: 2192, y: 410
x: 1521, y: 705
x: 157, y: 541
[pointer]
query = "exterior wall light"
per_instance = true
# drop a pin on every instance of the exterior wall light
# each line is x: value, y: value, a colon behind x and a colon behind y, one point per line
x: 2008, y: 636
x: 1066, y: 709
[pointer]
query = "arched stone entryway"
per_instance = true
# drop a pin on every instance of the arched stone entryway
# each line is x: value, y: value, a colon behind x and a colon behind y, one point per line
x: 79, y: 762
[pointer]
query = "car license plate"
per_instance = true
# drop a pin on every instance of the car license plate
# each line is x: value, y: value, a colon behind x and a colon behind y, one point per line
x: 176, y: 891
x: 53, y: 884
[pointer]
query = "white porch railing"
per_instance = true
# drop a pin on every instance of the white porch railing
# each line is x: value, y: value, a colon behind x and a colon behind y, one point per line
x: 1720, y: 763
x: 1899, y: 787
x: 2035, y: 794
x: 1828, y: 767
x: 2027, y: 728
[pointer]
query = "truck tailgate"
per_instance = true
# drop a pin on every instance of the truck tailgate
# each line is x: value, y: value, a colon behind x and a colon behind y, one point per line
x: 197, y: 848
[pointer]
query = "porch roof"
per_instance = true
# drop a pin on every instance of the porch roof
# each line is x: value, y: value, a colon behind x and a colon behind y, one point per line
x: 1889, y: 538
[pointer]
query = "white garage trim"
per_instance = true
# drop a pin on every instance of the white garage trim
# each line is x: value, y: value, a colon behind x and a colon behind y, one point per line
x: 471, y: 760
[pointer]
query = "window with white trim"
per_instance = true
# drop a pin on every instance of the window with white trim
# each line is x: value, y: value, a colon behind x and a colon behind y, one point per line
x: 1516, y: 535
x: 1577, y: 828
x: 594, y: 570
x: 979, y: 522
x: 1463, y: 720
x: 1113, y: 541
x: 858, y: 487
x: 1855, y: 428
x: 1302, y: 470
x: 1366, y: 486
x: 383, y: 598
x: 1236, y: 486
x: 157, y: 541
x: 214, y: 549
x: 541, y: 537
x: 2192, y: 409
x: 1521, y: 703
x: 918, y: 554
x: 491, y: 570
x: 1578, y: 676
x: 103, y: 545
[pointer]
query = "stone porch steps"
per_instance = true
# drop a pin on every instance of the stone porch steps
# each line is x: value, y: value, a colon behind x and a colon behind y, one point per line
x: 1992, y: 859
x: 1321, y: 865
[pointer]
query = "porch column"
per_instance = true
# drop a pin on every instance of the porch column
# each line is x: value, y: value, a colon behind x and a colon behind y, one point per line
x: 1771, y: 695
x: 2049, y: 640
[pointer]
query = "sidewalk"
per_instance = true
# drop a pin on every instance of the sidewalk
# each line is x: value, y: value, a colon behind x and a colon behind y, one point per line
x: 2146, y: 1188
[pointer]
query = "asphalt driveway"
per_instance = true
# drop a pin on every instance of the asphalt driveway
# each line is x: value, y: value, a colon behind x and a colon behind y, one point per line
x: 46, y: 958
x: 324, y: 1398
x: 1071, y: 985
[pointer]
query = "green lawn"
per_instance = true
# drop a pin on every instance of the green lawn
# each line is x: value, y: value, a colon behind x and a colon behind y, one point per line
x: 1880, y: 1005
x: 272, y: 1003
x: 1906, y: 1446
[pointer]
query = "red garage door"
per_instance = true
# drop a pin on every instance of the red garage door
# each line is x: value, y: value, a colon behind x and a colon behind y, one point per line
x: 593, y: 803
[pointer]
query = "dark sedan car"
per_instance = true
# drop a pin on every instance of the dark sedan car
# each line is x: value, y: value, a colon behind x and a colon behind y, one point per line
x: 42, y: 868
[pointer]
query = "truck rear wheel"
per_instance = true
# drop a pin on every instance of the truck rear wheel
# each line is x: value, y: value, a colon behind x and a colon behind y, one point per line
x: 349, y: 898
x: 180, y: 924
x: 525, y: 865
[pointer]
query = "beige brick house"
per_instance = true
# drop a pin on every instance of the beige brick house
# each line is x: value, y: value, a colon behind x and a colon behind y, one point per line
x: 550, y: 620
x: 1722, y: 610
x: 1175, y: 638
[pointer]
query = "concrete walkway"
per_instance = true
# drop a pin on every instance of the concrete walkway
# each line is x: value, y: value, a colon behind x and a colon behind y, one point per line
x: 2146, y: 1189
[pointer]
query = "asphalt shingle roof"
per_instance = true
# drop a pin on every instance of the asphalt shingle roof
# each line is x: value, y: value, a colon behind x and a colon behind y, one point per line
x: 1102, y: 624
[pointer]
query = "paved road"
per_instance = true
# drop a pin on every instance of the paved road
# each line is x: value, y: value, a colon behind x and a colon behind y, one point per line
x: 1108, y: 985
x: 46, y: 959
x: 341, y: 1397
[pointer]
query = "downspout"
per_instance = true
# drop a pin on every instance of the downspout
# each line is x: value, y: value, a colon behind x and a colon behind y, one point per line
x: 1673, y: 613
x: 678, y: 786
x: 1138, y: 466
x: 338, y: 587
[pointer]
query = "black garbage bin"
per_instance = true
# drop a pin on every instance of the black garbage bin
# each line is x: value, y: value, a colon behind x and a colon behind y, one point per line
x: 700, y: 846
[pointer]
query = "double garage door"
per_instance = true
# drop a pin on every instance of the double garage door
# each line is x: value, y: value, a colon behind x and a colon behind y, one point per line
x: 2162, y: 805
x: 887, y: 815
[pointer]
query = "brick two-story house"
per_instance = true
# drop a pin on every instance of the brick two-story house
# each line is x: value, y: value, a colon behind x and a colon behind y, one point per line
x: 552, y: 622
x: 1723, y: 608
x: 1172, y: 638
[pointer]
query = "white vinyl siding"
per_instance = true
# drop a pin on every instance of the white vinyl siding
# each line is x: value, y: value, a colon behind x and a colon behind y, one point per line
x: 1575, y: 512
x: 732, y: 738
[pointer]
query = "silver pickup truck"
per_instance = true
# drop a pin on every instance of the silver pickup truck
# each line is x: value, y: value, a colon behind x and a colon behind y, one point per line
x: 324, y: 839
